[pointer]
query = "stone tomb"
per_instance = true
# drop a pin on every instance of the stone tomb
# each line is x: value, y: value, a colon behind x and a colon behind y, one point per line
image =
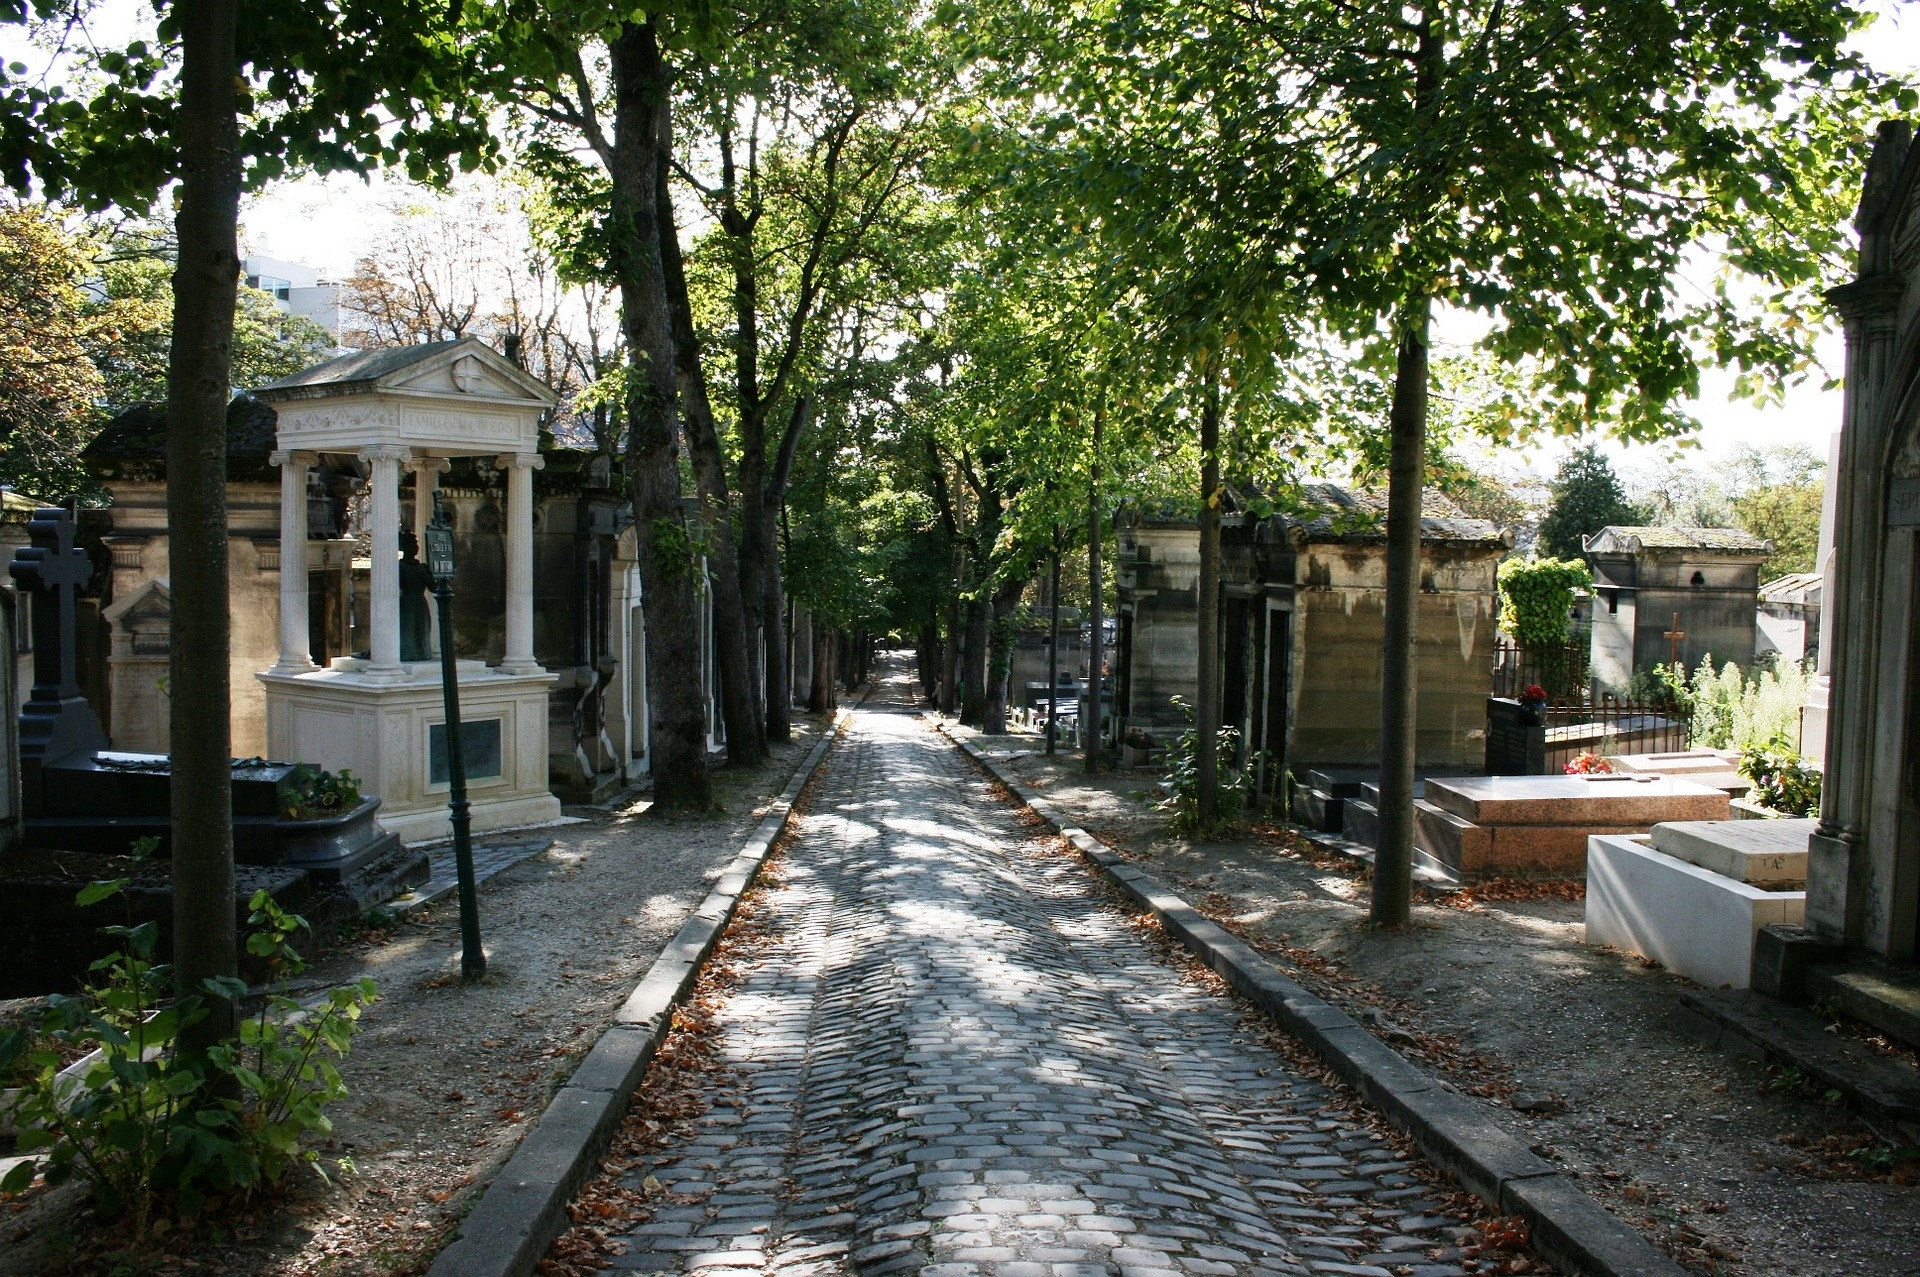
x: 1692, y: 895
x: 1715, y: 767
x: 1763, y: 853
x: 382, y: 715
x: 1538, y: 826
x: 83, y: 807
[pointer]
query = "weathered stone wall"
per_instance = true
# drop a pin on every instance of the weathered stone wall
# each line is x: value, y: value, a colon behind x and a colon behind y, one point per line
x: 1339, y: 625
x: 1338, y: 600
x: 137, y: 709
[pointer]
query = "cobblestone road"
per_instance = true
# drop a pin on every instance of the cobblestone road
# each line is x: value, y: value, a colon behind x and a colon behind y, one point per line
x: 953, y: 1056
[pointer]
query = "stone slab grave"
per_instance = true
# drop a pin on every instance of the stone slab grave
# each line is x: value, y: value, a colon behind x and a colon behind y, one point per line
x: 1319, y: 801
x: 84, y: 806
x: 1692, y: 895
x: 1715, y: 767
x: 1538, y: 826
x: 1765, y: 853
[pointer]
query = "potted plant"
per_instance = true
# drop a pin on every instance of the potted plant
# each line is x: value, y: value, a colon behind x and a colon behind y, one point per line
x: 1533, y: 702
x: 1588, y: 764
x: 324, y: 818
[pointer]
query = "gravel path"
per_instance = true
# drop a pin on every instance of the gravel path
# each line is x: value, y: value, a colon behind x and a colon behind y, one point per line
x: 954, y: 1056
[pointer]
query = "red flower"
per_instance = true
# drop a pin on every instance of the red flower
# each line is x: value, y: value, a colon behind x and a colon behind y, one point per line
x: 1534, y: 692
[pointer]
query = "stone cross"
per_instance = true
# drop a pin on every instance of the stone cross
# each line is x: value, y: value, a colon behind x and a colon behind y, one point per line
x: 1673, y: 637
x: 56, y: 722
x: 51, y: 562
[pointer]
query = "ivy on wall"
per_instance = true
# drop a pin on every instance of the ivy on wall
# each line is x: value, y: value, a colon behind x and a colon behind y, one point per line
x: 1536, y: 598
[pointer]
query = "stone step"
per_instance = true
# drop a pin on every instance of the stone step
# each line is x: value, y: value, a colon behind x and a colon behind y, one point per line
x: 1360, y: 822
x: 1315, y: 808
x: 1341, y: 782
x: 1761, y: 1028
x: 1888, y: 1001
x: 1427, y: 871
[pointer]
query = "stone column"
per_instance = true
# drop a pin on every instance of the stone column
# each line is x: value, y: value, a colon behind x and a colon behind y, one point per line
x: 1813, y: 721
x: 296, y: 650
x: 426, y: 481
x: 383, y: 604
x: 519, y: 651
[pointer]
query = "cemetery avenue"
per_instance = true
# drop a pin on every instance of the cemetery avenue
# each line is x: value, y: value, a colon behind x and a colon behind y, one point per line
x: 991, y: 638
x: 947, y: 1051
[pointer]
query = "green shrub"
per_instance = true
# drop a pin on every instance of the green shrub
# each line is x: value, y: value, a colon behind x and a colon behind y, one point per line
x: 1183, y: 776
x: 1733, y: 709
x: 151, y: 1127
x: 1536, y: 598
x: 1782, y: 778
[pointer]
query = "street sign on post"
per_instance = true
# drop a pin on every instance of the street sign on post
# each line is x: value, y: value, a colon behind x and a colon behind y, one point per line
x: 440, y: 566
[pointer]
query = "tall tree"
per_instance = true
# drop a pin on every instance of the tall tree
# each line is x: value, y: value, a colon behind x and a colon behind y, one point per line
x: 1587, y: 496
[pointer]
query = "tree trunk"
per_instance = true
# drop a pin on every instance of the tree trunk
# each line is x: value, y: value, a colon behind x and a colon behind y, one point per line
x: 1053, y: 645
x: 1000, y: 644
x: 1206, y: 714
x: 927, y: 659
x: 773, y: 582
x: 973, y: 675
x: 206, y: 282
x: 1096, y: 642
x: 1393, y: 859
x: 823, y: 689
x: 667, y: 564
x: 950, y: 652
x: 739, y: 690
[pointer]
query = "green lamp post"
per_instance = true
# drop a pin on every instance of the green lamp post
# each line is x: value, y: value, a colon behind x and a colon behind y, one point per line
x: 440, y: 566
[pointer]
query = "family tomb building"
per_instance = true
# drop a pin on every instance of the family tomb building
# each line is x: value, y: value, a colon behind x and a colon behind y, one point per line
x: 322, y: 466
x: 1303, y: 604
x: 1667, y: 594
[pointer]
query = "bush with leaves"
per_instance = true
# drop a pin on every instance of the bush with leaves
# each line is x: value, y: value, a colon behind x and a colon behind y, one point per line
x: 1736, y: 709
x: 1183, y: 777
x: 151, y: 1128
x: 1536, y: 598
x: 1782, y: 779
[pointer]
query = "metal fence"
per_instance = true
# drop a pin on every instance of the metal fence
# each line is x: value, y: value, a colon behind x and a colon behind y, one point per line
x: 1610, y: 725
x: 1560, y: 670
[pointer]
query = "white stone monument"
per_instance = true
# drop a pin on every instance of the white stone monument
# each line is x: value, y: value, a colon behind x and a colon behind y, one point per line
x: 412, y: 409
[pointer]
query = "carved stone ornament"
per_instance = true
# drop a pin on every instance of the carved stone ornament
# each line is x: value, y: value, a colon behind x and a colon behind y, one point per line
x: 466, y: 374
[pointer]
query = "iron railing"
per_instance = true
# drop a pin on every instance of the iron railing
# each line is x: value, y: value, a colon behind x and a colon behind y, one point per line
x: 1610, y: 725
x: 1561, y: 669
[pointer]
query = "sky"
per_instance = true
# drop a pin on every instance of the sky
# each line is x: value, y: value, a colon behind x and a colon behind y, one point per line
x: 327, y: 223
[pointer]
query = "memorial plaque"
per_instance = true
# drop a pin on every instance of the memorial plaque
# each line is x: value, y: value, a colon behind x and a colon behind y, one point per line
x: 1903, y: 503
x: 479, y: 749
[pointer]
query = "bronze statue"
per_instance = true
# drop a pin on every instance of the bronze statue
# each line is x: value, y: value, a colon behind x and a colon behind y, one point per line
x: 415, y: 616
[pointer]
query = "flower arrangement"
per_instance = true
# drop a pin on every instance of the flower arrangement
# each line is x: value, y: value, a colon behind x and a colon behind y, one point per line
x: 1534, y: 694
x: 1588, y: 764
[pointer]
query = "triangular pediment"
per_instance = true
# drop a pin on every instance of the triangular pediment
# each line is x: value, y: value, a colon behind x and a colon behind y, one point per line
x: 148, y: 601
x: 464, y: 369
x: 470, y: 369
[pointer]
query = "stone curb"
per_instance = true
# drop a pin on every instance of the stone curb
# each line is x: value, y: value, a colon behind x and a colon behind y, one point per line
x: 523, y: 1210
x: 1570, y: 1229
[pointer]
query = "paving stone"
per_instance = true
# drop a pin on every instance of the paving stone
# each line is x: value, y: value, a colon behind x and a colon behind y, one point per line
x: 951, y: 1055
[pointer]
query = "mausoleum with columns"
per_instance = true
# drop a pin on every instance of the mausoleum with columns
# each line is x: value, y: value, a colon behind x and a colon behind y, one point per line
x: 405, y: 413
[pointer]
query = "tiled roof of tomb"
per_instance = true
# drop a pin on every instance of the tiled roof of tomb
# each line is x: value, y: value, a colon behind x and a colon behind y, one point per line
x: 1631, y: 540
